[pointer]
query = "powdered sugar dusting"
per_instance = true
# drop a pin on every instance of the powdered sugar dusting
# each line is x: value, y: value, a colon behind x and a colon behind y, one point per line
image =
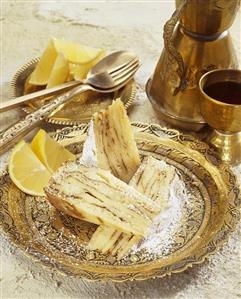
x: 89, y: 155
x: 161, y: 234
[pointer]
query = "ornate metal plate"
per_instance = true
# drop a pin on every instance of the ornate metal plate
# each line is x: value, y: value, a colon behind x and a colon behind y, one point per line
x: 72, y: 113
x: 59, y: 241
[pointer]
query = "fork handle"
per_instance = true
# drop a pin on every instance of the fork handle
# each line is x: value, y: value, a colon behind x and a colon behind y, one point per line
x: 13, y: 134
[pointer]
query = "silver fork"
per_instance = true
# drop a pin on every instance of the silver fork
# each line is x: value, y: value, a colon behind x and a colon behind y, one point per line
x: 45, y: 93
x: 110, y: 82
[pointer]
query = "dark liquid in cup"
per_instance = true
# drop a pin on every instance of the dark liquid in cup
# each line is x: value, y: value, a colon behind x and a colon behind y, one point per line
x: 226, y: 91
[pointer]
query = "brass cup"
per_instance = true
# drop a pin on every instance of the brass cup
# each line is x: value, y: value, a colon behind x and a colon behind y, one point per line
x: 224, y: 118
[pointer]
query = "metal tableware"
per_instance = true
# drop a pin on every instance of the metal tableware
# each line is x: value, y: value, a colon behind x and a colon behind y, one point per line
x: 200, y: 43
x: 72, y: 113
x: 224, y: 118
x: 37, y: 95
x: 111, y: 81
x: 59, y: 241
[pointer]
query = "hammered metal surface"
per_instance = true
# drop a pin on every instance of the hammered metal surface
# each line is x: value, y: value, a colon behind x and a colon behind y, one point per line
x: 59, y: 241
x: 72, y: 113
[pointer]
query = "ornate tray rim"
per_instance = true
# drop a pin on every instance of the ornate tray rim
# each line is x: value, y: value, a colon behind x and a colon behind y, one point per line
x: 58, y: 121
x: 198, y: 147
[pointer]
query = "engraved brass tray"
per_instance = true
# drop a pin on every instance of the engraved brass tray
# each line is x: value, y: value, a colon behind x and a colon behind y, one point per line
x: 72, y: 113
x: 58, y: 240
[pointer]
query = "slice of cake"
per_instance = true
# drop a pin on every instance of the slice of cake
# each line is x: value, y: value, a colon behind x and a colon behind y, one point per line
x: 95, y: 195
x: 115, y: 143
x: 153, y: 179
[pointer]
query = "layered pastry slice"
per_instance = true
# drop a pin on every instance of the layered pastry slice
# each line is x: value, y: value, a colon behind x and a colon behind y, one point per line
x: 115, y: 144
x: 95, y: 195
x: 153, y: 178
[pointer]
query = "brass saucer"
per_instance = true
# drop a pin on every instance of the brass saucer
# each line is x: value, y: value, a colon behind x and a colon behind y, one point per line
x: 59, y: 241
x: 72, y: 113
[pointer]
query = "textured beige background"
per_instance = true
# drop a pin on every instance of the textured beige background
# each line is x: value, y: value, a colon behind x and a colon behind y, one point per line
x: 25, y: 29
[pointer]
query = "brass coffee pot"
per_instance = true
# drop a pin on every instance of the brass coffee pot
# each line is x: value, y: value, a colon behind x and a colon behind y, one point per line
x: 199, y: 43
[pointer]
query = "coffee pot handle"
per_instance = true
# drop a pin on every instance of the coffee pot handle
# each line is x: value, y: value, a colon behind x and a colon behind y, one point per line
x: 170, y: 48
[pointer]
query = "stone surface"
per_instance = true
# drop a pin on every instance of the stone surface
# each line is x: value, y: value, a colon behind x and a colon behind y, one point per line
x: 134, y: 25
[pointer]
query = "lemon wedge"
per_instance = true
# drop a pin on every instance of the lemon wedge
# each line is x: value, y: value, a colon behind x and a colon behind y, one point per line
x: 41, y: 74
x: 49, y: 151
x: 29, y: 88
x: 60, y: 71
x: 26, y: 170
x: 80, y: 71
x: 76, y: 53
x: 54, y: 66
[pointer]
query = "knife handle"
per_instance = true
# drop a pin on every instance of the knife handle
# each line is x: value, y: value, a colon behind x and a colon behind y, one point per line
x: 13, y: 134
x: 38, y: 95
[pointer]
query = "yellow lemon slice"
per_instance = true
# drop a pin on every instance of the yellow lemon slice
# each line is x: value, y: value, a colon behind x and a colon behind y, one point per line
x: 26, y: 170
x: 60, y: 71
x: 53, y: 69
x: 74, y: 52
x: 28, y: 88
x: 49, y: 151
x: 80, y: 71
x: 41, y: 74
